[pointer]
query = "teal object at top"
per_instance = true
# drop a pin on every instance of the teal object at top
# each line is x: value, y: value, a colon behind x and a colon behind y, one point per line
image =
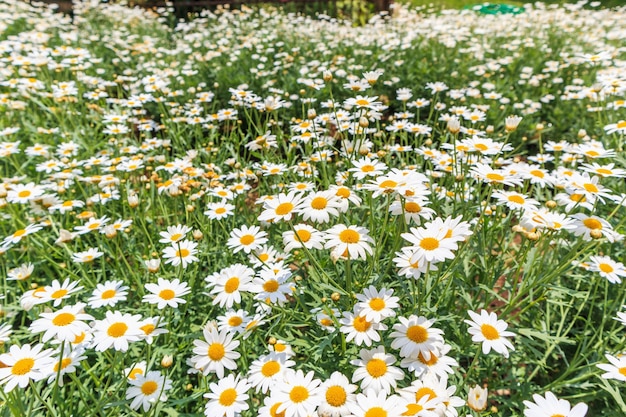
x: 496, y: 9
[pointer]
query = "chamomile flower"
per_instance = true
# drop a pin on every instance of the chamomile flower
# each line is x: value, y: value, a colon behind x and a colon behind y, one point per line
x: 58, y: 291
x: 303, y: 235
x: 336, y: 395
x: 377, y: 404
x: 551, y: 406
x: 23, y: 364
x: 116, y: 330
x: 415, y: 335
x: 430, y: 244
x: 181, y: 253
x: 229, y: 283
x: 377, y: 305
x: 218, y: 211
x: 166, y: 293
x: 64, y: 364
x: 246, y: 238
x: 108, y: 294
x: 616, y: 369
x: 215, y: 353
x: 607, y: 268
x: 267, y: 370
x: 359, y: 329
x: 376, y: 371
x: 228, y: 397
x: 320, y: 206
x: 281, y: 207
x: 20, y: 234
x: 438, y: 363
x: 367, y: 167
x: 87, y: 256
x: 351, y: 242
x: 174, y: 234
x: 63, y: 325
x: 491, y: 332
x: 147, y: 390
x: 298, y: 394
x: 272, y: 288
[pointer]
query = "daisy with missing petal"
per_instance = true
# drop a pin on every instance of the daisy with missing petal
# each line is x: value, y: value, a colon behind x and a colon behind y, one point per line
x: 268, y: 370
x: 166, y: 293
x: 116, y: 330
x: 373, y: 404
x: 246, y: 239
x: 376, y: 371
x: 298, y: 394
x: 281, y: 207
x: 23, y: 364
x: 147, y: 390
x: 227, y: 398
x: 377, y: 305
x: 182, y: 252
x: 491, y: 332
x: 174, y: 234
x: 108, y: 294
x: 336, y: 395
x: 616, y: 369
x: 551, y: 406
x: 415, y: 335
x: 351, y: 242
x: 608, y: 268
x: 360, y: 329
x: 216, y: 353
x: 63, y: 325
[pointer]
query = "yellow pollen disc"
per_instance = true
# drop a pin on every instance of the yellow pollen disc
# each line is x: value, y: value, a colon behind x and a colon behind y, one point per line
x: 231, y: 285
x: 183, y: 253
x: 377, y: 304
x: 79, y: 338
x: 495, y: 177
x: 63, y: 319
x: 176, y: 237
x: 19, y: 233
x: 343, y: 192
x: 284, y: 208
x: 235, y: 321
x: 23, y: 194
x: 319, y: 203
x: 23, y: 366
x: 58, y: 294
x: 367, y: 168
x: 279, y: 347
x: 412, y: 409
x: 604, y: 171
x: 592, y: 223
x: 270, y: 286
x: 147, y: 329
x: 264, y: 257
x: 93, y: 226
x: 216, y: 351
x: 481, y: 147
x: 360, y: 324
x: 326, y: 322
x: 537, y: 173
x: 303, y: 235
x: 336, y: 396
x: 592, y: 153
x: 376, y: 368
x: 149, y: 387
x: 246, y: 240
x: 429, y: 243
x: 430, y: 362
x: 606, y: 268
x: 220, y: 210
x: 622, y: 370
x: 423, y: 392
x: 273, y: 412
x: 490, y: 332
x: 270, y: 368
x: 591, y: 188
x: 298, y: 394
x: 117, y: 329
x: 388, y: 184
x: 578, y: 197
x: 65, y: 362
x: 417, y: 334
x: 412, y: 207
x: 375, y: 412
x: 362, y: 102
x: 349, y: 236
x: 108, y: 294
x: 133, y: 374
x: 621, y: 124
x: 228, y: 397
x: 517, y: 199
x: 167, y: 294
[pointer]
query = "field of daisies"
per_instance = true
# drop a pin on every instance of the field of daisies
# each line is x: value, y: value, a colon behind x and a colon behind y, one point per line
x: 256, y: 213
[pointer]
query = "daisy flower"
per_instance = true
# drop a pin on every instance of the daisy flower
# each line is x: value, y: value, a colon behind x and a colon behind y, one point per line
x: 233, y: 321
x: 377, y: 404
x: 432, y: 393
x: 272, y: 287
x: 416, y: 335
x: 58, y: 292
x: 410, y: 265
x: 174, y: 234
x: 438, y: 363
x: 152, y: 327
x: 320, y: 206
x: 91, y: 225
x: 116, y: 330
x: 367, y: 167
x: 19, y: 234
x: 616, y: 369
x: 65, y: 364
x: 607, y: 268
x: 550, y: 406
x: 218, y: 211
x: 619, y: 127
x: 376, y: 305
x: 360, y: 329
x: 351, y: 242
x: 413, y: 209
x: 20, y: 273
x: 246, y: 239
x: 298, y: 394
x: 489, y: 175
x: 228, y: 397
x: 87, y: 256
x: 22, y: 364
x: 586, y: 224
x: 336, y: 394
x: 147, y: 390
x: 375, y: 370
x: 23, y: 193
x: 486, y: 328
x: 430, y: 244
x: 346, y: 196
x: 138, y: 368
x: 63, y: 325
x: 267, y: 370
x: 108, y: 294
x: 281, y: 207
x: 182, y: 252
x: 229, y: 283
x: 216, y: 353
x: 515, y: 201
x: 166, y: 293
x: 303, y: 235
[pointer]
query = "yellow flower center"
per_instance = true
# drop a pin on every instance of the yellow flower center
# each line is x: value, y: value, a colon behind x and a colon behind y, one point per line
x: 273, y: 412
x: 377, y: 304
x: 376, y: 368
x: 417, y: 334
x: 63, y: 319
x: 388, y: 184
x: 367, y: 168
x: 270, y: 286
x: 517, y: 199
x: 220, y: 210
x: 246, y: 240
x: 64, y: 363
x: 59, y: 294
x: 216, y: 351
x: 604, y: 171
x: 23, y: 366
x: 622, y: 370
x: 133, y: 374
x: 303, y: 235
x: 298, y: 394
x: 108, y: 294
x: 319, y: 203
x: 537, y: 173
x: 23, y: 193
x: 117, y: 329
x: 228, y: 397
x: 349, y: 236
x: 336, y: 396
x: 412, y: 409
x: 425, y: 391
x: 481, y: 147
x: 375, y: 412
x: 176, y: 237
x: 19, y: 233
x: 430, y: 362
x: 231, y: 285
x: 490, y: 332
x: 270, y: 368
x: 606, y: 268
x: 412, y: 207
x: 167, y: 294
x: 591, y: 187
x: 621, y: 124
x: 429, y: 243
x: 284, y: 208
x: 362, y: 102
x: 343, y: 192
x: 149, y: 387
x: 147, y: 329
x: 495, y: 177
x: 235, y: 321
x: 183, y: 253
x: 592, y: 223
x: 360, y: 324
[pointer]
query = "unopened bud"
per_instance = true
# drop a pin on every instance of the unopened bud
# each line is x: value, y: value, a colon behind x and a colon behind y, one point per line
x: 595, y: 234
x: 327, y: 76
x: 153, y: 265
x: 167, y: 361
x: 335, y: 296
x: 363, y: 122
x: 551, y: 204
x: 197, y: 234
x: 311, y: 114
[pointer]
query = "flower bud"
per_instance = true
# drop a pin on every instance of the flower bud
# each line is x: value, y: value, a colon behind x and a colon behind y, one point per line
x: 133, y: 200
x: 167, y: 361
x: 153, y: 265
x: 477, y: 398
